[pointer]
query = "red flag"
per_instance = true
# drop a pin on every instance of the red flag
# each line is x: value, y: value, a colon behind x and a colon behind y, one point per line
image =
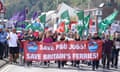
x: 90, y: 22
x: 61, y: 28
x: 1, y: 6
x: 36, y: 34
x: 72, y: 22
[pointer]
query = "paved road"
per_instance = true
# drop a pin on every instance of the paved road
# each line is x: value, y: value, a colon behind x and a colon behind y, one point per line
x: 52, y: 68
x: 36, y: 67
x: 3, y: 62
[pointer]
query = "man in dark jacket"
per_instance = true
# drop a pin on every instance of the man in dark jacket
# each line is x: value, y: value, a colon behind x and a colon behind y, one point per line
x: 107, y: 50
x: 3, y: 39
x: 115, y: 51
x: 95, y: 63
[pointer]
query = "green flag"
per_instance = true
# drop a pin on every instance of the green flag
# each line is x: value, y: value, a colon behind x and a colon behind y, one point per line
x: 104, y: 24
x: 42, y: 18
x: 80, y: 26
x: 34, y: 27
x: 66, y: 29
x: 83, y: 23
x: 80, y: 15
x: 19, y: 29
x: 86, y: 24
x: 28, y: 27
x: 80, y: 30
x: 65, y: 17
x: 86, y: 21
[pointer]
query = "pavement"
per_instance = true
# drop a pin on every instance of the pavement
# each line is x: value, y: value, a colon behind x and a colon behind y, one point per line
x: 3, y: 62
x: 38, y: 67
x: 53, y: 68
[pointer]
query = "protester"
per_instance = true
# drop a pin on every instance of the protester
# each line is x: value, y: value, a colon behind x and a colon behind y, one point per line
x: 39, y: 38
x: 103, y: 40
x: 77, y: 38
x: 115, y: 51
x: 89, y: 38
x: 70, y: 36
x: 6, y: 51
x: 103, y: 36
x: 28, y: 35
x: 107, y: 50
x: 21, y: 46
x: 95, y: 63
x: 36, y: 34
x: 55, y: 35
x: 62, y: 38
x: 47, y: 39
x: 25, y: 34
x: 3, y: 40
x: 13, y: 45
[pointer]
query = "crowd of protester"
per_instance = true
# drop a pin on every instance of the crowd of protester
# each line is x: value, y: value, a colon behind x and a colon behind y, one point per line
x: 10, y: 45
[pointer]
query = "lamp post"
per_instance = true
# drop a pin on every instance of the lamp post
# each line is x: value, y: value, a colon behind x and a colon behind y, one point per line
x: 99, y: 15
